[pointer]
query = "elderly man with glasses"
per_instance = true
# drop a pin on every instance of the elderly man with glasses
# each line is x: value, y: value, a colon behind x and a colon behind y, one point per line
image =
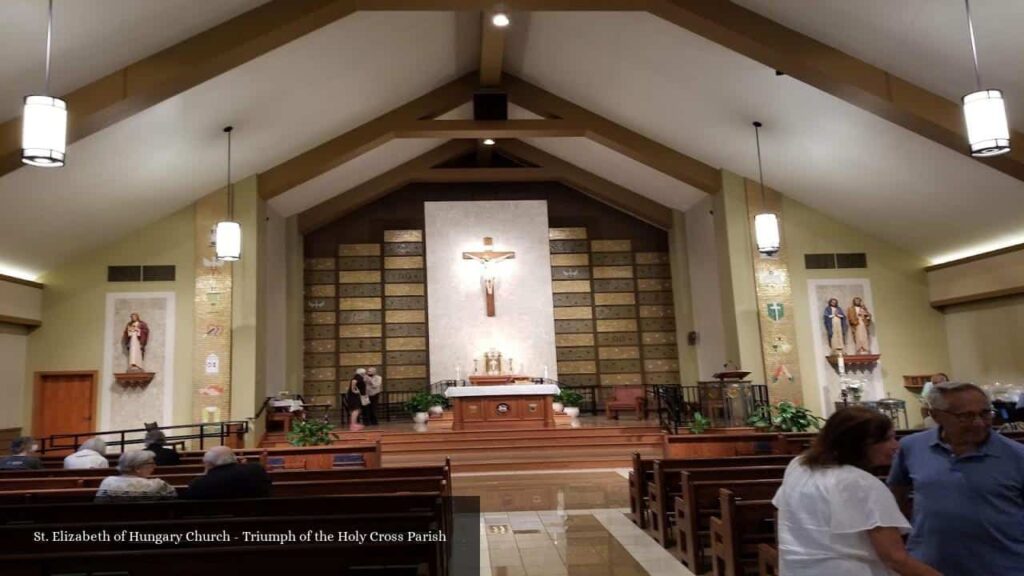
x: 968, y: 487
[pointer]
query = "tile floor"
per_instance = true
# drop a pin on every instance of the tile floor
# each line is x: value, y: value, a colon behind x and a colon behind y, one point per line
x: 562, y: 540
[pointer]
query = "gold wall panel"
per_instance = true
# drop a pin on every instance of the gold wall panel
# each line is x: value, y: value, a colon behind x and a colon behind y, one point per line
x: 618, y: 353
x: 405, y: 372
x: 318, y: 374
x: 562, y: 286
x: 567, y: 233
x: 359, y: 303
x: 403, y: 262
x: 322, y: 290
x: 407, y: 343
x: 321, y: 318
x: 359, y: 331
x: 574, y: 313
x: 570, y: 259
x: 652, y: 257
x: 320, y: 345
x: 403, y: 235
x: 614, y: 298
x: 405, y: 316
x: 661, y: 378
x: 574, y: 339
x: 359, y: 277
x: 320, y: 263
x: 616, y: 325
x: 621, y: 379
x: 360, y: 359
x: 404, y: 290
x: 358, y: 249
x: 657, y: 312
x: 610, y: 245
x: 618, y: 339
x: 654, y: 284
x: 613, y: 271
x: 659, y: 337
x: 661, y: 365
x: 578, y: 367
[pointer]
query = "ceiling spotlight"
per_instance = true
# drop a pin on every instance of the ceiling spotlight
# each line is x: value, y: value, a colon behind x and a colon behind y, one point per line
x: 500, y: 19
x: 488, y: 142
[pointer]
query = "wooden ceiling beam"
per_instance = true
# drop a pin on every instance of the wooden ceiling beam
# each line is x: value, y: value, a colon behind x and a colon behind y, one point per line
x: 178, y: 68
x: 456, y: 175
x: 492, y: 50
x: 380, y: 186
x: 592, y: 185
x: 490, y: 129
x: 834, y: 72
x: 615, y: 136
x: 510, y: 5
x: 360, y: 140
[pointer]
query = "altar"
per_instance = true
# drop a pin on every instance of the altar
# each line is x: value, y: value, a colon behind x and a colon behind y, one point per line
x: 519, y: 406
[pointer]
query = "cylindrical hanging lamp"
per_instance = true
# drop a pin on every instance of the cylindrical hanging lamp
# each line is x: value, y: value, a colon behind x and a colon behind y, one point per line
x: 984, y: 111
x: 228, y: 234
x: 766, y: 224
x: 44, y: 122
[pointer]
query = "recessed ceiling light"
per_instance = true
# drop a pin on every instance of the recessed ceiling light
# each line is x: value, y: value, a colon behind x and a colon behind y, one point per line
x: 488, y: 142
x: 500, y: 19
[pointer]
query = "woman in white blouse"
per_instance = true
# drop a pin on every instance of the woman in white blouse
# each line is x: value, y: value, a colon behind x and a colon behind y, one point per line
x: 835, y: 516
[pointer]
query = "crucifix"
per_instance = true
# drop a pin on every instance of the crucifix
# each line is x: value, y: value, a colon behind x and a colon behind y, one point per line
x: 487, y: 258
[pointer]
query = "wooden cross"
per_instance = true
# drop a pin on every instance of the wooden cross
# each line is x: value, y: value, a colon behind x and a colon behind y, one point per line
x: 488, y: 257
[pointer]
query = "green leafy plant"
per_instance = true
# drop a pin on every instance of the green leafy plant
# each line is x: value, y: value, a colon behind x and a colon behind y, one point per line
x: 762, y: 417
x: 420, y: 402
x: 311, y: 433
x: 569, y: 398
x: 700, y: 423
x: 792, y: 418
x: 438, y: 400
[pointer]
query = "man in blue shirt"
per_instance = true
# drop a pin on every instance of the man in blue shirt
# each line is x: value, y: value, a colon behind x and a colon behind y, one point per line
x: 968, y: 487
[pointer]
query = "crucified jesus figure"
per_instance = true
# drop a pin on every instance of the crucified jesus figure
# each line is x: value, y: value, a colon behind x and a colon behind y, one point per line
x: 488, y: 257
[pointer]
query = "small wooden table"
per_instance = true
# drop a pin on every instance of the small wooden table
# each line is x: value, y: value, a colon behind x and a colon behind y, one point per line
x: 518, y: 406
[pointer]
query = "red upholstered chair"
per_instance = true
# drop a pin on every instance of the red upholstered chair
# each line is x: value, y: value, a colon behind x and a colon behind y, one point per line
x: 626, y: 398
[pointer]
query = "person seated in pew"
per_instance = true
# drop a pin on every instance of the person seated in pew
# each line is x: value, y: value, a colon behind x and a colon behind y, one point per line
x: 89, y: 455
x: 165, y: 456
x: 22, y: 455
x: 226, y: 478
x: 835, y: 516
x: 134, y: 482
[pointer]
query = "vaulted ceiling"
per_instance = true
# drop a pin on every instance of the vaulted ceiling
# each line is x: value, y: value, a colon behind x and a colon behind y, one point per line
x: 643, y: 71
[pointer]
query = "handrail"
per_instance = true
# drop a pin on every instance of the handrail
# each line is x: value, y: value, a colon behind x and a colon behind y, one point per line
x: 224, y: 430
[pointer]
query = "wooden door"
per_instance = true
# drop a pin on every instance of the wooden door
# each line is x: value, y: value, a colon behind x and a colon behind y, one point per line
x: 64, y: 403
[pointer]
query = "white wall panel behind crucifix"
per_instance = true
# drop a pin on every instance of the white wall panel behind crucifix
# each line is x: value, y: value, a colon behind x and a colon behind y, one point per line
x: 523, y: 327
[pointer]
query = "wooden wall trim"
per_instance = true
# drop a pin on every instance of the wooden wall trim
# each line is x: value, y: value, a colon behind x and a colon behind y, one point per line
x: 975, y: 258
x: 22, y: 281
x: 30, y: 322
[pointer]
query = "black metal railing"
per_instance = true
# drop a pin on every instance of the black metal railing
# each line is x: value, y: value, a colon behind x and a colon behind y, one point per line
x: 676, y: 405
x: 204, y: 433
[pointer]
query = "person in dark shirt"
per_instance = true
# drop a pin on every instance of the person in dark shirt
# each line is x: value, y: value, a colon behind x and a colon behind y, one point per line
x: 21, y: 458
x: 226, y: 478
x: 164, y: 456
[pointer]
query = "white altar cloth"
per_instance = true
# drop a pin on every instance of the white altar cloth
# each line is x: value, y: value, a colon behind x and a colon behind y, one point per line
x: 504, y: 390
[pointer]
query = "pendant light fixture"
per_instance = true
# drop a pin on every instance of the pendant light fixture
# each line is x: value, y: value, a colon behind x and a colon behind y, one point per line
x: 44, y: 122
x: 766, y: 224
x: 984, y: 111
x: 229, y: 233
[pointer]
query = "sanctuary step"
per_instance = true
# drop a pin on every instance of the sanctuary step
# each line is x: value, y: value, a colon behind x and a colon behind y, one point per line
x: 509, y: 450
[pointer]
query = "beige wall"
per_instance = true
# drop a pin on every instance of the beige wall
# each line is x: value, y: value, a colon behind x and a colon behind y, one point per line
x: 986, y: 341
x: 682, y: 300
x: 20, y: 301
x: 294, y: 333
x: 705, y: 287
x: 74, y: 304
x: 13, y: 355
x: 911, y: 334
x: 1000, y: 274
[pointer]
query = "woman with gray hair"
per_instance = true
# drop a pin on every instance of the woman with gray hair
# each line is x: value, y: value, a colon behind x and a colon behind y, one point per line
x: 89, y: 455
x: 134, y: 482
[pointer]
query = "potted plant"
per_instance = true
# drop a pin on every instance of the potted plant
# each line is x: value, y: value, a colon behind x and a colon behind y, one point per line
x: 571, y: 400
x: 419, y: 406
x: 311, y: 433
x: 761, y: 419
x: 557, y: 405
x: 792, y: 418
x: 437, y: 404
x: 700, y: 423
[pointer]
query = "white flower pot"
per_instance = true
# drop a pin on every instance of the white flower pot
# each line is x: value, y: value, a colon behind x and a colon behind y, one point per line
x: 557, y: 407
x: 421, y: 417
x: 436, y: 410
x: 572, y: 411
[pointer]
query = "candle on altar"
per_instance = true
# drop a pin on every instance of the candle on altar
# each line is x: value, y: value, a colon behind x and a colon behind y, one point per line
x: 841, y: 364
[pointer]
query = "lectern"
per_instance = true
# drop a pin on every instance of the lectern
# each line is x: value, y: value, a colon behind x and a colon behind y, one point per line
x: 728, y: 401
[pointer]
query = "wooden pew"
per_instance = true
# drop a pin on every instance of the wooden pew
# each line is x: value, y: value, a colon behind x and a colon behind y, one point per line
x: 699, y: 502
x: 644, y: 471
x: 767, y: 560
x: 93, y: 472
x: 668, y: 484
x: 741, y: 526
